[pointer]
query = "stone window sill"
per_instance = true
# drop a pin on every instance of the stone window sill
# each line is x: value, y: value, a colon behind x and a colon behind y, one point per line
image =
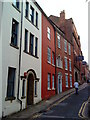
x: 14, y: 46
x: 10, y: 98
x: 23, y: 97
x: 30, y: 54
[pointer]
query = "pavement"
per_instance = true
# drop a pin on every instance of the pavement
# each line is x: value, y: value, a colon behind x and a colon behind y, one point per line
x: 42, y: 106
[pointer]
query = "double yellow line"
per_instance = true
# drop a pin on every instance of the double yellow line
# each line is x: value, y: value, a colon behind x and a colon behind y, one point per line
x: 82, y: 109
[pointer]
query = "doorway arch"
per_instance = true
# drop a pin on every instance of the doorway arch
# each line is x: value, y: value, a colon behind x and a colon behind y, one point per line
x: 31, y: 76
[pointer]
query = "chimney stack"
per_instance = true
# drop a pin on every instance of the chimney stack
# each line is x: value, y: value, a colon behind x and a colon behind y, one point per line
x: 62, y: 15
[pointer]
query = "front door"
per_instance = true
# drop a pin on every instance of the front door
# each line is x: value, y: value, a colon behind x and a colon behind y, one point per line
x: 30, y: 90
x: 59, y: 83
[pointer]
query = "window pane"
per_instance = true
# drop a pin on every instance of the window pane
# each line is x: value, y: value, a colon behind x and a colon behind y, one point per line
x: 27, y: 7
x: 14, y: 32
x: 58, y: 61
x: 66, y: 64
x: 53, y: 58
x: 65, y: 46
x: 69, y: 47
x: 23, y: 88
x: 53, y: 82
x: 66, y: 77
x: 49, y: 55
x: 11, y: 81
x: 70, y: 81
x: 58, y: 37
x: 49, y: 81
x: 36, y: 46
x: 32, y: 14
x: 31, y: 43
x: 26, y: 41
x: 70, y: 65
x: 16, y: 3
x: 36, y: 19
x: 48, y: 33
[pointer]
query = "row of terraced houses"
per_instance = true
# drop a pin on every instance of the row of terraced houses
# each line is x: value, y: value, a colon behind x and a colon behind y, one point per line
x: 40, y: 56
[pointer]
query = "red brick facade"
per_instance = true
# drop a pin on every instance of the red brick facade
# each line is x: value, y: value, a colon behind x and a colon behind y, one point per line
x: 47, y: 68
x: 61, y: 52
x: 67, y: 25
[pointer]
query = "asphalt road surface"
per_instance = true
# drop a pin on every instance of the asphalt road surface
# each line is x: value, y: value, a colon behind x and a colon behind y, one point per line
x: 67, y: 109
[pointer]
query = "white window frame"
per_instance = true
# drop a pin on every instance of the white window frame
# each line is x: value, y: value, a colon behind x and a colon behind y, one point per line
x: 53, y: 81
x: 70, y: 80
x: 60, y: 62
x: 66, y: 79
x: 48, y: 33
x: 58, y: 40
x: 53, y: 60
x: 69, y: 48
x: 48, y: 81
x: 65, y: 45
x: 49, y: 55
x: 70, y: 66
x: 66, y: 63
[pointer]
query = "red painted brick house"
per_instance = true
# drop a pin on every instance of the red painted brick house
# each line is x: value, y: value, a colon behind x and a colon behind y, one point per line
x: 48, y: 58
x: 64, y: 62
x: 68, y: 26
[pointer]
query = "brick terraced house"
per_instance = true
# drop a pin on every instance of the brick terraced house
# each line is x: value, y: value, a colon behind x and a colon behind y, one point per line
x: 68, y: 26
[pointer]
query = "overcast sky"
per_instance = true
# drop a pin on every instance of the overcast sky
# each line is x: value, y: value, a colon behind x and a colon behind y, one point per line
x: 76, y: 9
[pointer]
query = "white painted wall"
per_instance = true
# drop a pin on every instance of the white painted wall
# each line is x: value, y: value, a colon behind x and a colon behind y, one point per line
x: 1, y: 7
x: 10, y: 55
x: 28, y: 61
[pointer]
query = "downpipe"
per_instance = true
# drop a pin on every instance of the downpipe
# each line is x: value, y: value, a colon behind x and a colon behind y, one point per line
x: 20, y: 57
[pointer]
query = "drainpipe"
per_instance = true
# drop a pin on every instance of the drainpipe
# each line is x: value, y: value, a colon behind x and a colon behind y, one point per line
x: 20, y: 57
x: 55, y: 61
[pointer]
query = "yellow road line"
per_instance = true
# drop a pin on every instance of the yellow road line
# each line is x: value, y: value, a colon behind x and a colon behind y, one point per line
x: 82, y: 109
x: 62, y: 99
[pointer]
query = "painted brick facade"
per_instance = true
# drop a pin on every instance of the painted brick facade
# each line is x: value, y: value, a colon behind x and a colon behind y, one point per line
x: 68, y: 26
x: 47, y: 67
x: 61, y: 52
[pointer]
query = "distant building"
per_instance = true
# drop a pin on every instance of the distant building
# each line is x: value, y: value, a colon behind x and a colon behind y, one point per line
x: 85, y: 71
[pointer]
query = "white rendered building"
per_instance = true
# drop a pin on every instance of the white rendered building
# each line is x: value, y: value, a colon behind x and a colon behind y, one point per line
x: 21, y: 55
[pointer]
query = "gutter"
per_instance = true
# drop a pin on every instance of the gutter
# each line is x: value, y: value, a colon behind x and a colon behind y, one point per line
x: 20, y: 57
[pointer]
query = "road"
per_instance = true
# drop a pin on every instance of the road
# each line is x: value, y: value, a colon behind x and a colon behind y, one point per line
x: 68, y: 109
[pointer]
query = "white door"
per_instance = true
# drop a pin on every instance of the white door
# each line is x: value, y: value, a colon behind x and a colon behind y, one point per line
x: 59, y: 83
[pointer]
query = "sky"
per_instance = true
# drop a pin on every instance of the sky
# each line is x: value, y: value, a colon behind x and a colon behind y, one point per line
x: 76, y: 9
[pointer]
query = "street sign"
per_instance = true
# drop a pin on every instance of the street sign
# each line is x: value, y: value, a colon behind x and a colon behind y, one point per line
x: 84, y: 62
x: 80, y: 58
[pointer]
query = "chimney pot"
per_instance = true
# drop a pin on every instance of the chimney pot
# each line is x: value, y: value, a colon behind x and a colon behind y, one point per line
x: 62, y: 15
